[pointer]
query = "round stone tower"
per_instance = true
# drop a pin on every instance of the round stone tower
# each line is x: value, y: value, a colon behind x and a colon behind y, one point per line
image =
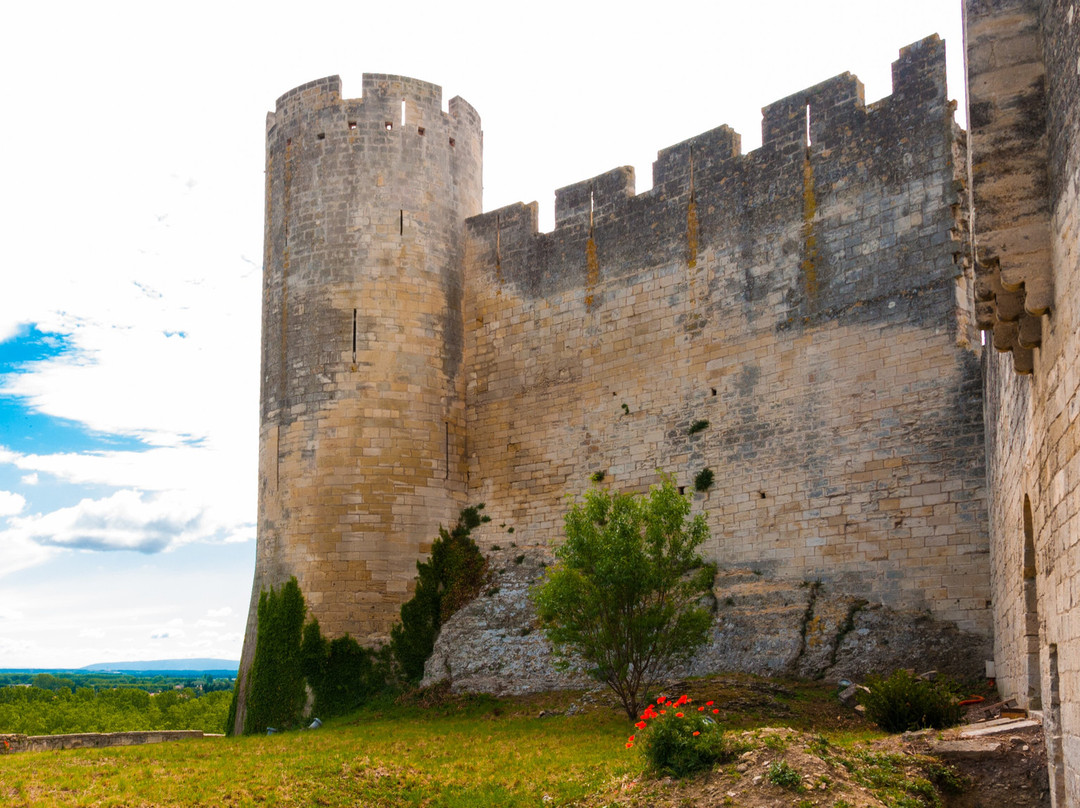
x: 361, y: 449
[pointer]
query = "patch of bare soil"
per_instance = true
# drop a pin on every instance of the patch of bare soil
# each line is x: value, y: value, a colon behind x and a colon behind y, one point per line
x: 991, y: 764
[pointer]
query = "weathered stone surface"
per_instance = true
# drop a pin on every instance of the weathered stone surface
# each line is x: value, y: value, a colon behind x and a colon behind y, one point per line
x: 1023, y: 77
x: 92, y: 740
x: 763, y: 626
x: 493, y: 645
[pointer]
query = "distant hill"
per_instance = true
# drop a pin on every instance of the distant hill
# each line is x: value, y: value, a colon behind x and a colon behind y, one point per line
x: 166, y: 665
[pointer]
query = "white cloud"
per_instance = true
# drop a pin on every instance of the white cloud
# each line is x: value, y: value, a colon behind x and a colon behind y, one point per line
x: 225, y: 611
x: 11, y: 503
x: 126, y: 520
x: 30, y: 479
x: 93, y: 633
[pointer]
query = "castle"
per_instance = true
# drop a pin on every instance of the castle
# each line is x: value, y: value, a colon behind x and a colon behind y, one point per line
x: 820, y: 302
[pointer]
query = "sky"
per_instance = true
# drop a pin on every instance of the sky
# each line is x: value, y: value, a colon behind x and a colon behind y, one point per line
x: 131, y: 216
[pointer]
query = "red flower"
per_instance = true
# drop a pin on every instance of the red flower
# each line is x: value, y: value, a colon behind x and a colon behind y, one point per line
x: 682, y: 700
x: 640, y: 725
x: 701, y: 709
x: 696, y: 732
x: 660, y: 699
x: 678, y: 715
x: 663, y: 712
x: 631, y: 739
x: 715, y: 712
x: 629, y: 744
x: 708, y: 704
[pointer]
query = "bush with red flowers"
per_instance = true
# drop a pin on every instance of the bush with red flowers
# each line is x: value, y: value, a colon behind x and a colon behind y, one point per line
x: 679, y: 738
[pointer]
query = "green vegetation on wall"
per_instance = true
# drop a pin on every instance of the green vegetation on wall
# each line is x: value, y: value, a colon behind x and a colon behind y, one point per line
x: 455, y: 573
x: 276, y: 693
x: 341, y: 673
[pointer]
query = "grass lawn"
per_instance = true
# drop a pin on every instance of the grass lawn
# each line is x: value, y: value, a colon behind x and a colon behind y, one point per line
x: 445, y: 751
x: 466, y: 754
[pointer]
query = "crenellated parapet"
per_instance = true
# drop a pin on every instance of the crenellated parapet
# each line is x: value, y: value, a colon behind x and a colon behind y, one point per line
x: 821, y: 146
x: 806, y: 299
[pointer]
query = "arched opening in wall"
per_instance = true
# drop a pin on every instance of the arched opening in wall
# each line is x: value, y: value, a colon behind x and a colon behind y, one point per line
x: 1031, y: 613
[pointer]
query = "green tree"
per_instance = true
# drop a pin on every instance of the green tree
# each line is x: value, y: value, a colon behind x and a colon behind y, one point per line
x: 276, y: 688
x: 453, y: 575
x: 627, y: 592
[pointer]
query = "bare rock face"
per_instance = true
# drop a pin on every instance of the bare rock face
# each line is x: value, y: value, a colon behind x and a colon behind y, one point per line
x: 493, y: 644
x: 765, y: 626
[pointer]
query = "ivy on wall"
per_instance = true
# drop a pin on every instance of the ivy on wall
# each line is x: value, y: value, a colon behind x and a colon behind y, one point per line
x: 455, y: 573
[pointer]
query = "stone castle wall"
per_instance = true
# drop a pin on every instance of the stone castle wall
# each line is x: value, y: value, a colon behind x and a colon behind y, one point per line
x: 361, y: 452
x: 804, y: 299
x: 1024, y: 88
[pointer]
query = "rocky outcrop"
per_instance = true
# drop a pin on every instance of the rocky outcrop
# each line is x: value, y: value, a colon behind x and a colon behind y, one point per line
x: 763, y: 625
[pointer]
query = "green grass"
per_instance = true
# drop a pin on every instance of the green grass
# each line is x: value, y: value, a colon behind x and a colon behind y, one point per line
x: 434, y: 749
x: 409, y: 758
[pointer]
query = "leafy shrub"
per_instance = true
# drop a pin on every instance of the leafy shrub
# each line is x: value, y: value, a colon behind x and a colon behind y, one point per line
x: 903, y: 702
x: 680, y: 740
x: 454, y: 574
x: 342, y: 674
x: 783, y: 774
x: 598, y: 476
x: 626, y: 594
x: 697, y: 426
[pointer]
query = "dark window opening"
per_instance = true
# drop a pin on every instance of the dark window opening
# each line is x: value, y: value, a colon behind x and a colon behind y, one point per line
x: 321, y: 136
x: 352, y: 124
x: 401, y: 222
x: 452, y: 143
x: 389, y: 125
x: 713, y: 390
x: 420, y: 130
x: 354, y: 335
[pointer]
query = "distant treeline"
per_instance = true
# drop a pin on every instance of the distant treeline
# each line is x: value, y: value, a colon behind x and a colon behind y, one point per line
x: 49, y: 705
x: 206, y: 681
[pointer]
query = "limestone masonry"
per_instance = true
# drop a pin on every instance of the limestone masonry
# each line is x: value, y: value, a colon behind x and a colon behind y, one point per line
x: 821, y: 302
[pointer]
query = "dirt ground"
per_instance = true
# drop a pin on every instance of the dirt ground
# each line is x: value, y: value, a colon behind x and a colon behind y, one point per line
x: 1003, y: 769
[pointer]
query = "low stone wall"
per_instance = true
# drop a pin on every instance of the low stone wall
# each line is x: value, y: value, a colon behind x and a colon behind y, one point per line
x: 91, y: 740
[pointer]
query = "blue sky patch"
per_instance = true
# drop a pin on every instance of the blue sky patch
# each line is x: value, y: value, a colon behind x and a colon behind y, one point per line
x: 31, y: 345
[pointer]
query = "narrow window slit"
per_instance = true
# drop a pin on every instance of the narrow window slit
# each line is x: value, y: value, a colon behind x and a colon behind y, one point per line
x: 403, y: 112
x: 808, y: 141
x: 401, y: 222
x: 354, y: 336
x: 446, y: 451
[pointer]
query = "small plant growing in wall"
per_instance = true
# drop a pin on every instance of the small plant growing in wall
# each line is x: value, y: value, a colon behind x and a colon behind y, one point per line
x: 703, y: 480
x: 697, y: 426
x: 625, y: 409
x: 598, y: 476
